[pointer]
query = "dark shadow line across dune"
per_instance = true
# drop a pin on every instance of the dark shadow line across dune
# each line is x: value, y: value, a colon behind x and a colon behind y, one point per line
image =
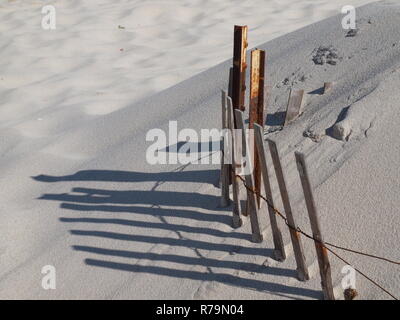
x: 193, y: 261
x: 151, y: 197
x: 159, y: 225
x: 155, y: 211
x: 186, y: 243
x: 228, y: 279
x: 198, y: 176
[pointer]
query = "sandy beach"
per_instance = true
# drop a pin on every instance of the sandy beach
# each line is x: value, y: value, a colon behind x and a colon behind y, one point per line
x: 77, y: 102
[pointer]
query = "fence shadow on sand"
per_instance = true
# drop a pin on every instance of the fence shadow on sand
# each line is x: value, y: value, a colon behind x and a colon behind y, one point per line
x: 142, y: 206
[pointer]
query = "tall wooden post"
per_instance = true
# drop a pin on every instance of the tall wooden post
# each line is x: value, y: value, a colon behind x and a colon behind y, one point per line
x: 302, y: 269
x: 248, y: 174
x: 322, y: 253
x: 239, y: 67
x: 238, y: 83
x: 256, y: 113
x: 280, y: 254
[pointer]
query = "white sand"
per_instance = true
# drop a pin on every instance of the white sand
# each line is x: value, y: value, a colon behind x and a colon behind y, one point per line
x: 79, y: 195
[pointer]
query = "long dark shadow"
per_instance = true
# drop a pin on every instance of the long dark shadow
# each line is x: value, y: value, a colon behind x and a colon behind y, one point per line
x: 155, y: 211
x: 211, y: 147
x: 159, y: 225
x: 186, y: 243
x: 198, y: 176
x: 156, y: 198
x: 193, y: 261
x: 202, y: 276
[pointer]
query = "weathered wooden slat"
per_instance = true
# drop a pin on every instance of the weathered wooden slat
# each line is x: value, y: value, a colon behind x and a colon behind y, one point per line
x: 238, y: 88
x: 224, y: 177
x: 239, y: 67
x: 230, y: 84
x: 241, y: 160
x: 280, y: 254
x: 294, y: 105
x: 302, y: 269
x: 230, y: 90
x: 322, y: 253
x: 248, y: 174
x: 257, y: 74
x: 328, y: 87
x: 234, y: 143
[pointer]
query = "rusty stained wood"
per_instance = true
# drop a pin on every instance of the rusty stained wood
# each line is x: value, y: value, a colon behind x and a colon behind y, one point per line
x: 235, y: 144
x: 257, y: 75
x: 239, y: 67
x: 248, y: 174
x: 322, y: 253
x: 280, y: 254
x: 224, y: 177
x: 302, y: 269
x: 294, y: 105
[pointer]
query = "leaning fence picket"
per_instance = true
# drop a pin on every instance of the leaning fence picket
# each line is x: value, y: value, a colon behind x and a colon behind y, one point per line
x: 248, y: 174
x: 236, y: 209
x: 302, y: 269
x: 224, y: 178
x: 322, y: 253
x: 294, y: 105
x: 280, y: 254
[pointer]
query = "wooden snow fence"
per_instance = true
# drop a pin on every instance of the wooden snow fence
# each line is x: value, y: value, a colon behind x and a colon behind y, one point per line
x: 244, y: 162
x: 243, y: 173
x: 244, y: 167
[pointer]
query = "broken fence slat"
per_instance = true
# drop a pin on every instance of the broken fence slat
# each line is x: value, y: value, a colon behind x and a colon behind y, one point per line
x: 248, y: 174
x: 234, y: 143
x: 294, y: 105
x: 302, y: 269
x: 280, y: 254
x: 322, y: 254
x: 328, y: 87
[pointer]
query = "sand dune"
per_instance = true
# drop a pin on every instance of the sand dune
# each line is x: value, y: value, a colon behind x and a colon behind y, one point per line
x: 77, y: 190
